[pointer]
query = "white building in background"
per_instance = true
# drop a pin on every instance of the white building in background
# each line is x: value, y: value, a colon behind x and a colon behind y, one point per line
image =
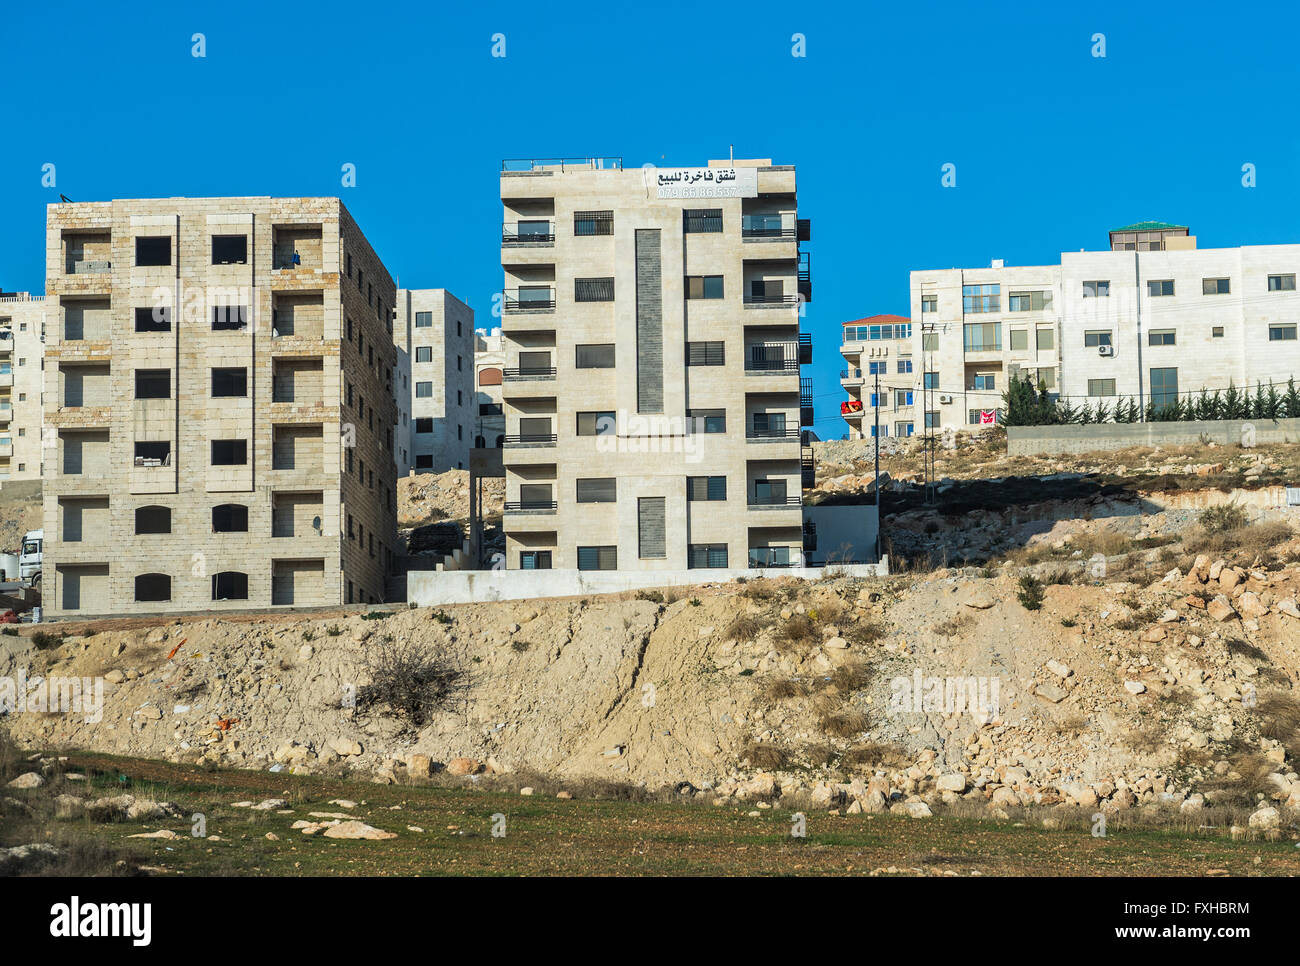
x: 1151, y: 320
x: 489, y: 364
x: 22, y: 352
x: 436, y: 330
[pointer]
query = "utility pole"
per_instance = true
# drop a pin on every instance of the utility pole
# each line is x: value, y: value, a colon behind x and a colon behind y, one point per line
x: 876, y: 484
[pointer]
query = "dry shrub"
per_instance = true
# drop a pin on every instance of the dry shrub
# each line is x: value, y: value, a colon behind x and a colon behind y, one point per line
x: 765, y: 755
x: 1254, y: 538
x: 1108, y: 543
x: 953, y: 626
x: 851, y: 676
x: 410, y: 680
x: 863, y: 631
x: 1218, y: 519
x: 1280, y: 716
x: 1144, y: 741
x: 794, y: 634
x: 844, y: 724
x: 743, y: 627
x: 824, y: 702
x: 1247, y: 779
x: 760, y: 589
x: 821, y: 753
x: 872, y: 754
x: 783, y: 688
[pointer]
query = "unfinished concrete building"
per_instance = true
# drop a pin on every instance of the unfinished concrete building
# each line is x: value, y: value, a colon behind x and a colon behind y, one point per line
x: 219, y: 407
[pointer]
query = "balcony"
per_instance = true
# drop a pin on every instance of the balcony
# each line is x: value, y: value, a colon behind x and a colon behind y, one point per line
x: 753, y: 301
x: 771, y: 367
x: 805, y: 349
x: 6, y: 413
x: 529, y: 440
x: 807, y: 468
x: 527, y: 234
x: 805, y: 402
x: 805, y: 276
x: 851, y: 377
x: 529, y: 374
x: 755, y: 435
x: 531, y: 506
x: 764, y: 557
x: 528, y: 300
x: 775, y: 503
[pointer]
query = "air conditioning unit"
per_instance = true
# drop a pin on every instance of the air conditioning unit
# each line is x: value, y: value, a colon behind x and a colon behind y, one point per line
x: 945, y: 399
x: 1105, y: 350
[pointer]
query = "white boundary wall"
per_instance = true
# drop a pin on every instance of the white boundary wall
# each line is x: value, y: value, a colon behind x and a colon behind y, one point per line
x: 427, y: 588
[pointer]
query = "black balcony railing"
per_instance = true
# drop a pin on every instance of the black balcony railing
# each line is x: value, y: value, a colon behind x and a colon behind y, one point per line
x: 529, y: 300
x: 776, y: 501
x: 805, y: 349
x: 512, y: 234
x: 771, y: 299
x: 756, y: 433
x: 805, y: 276
x: 807, y: 468
x: 771, y: 365
x: 771, y: 557
x: 530, y: 439
x: 529, y: 372
x: 765, y: 232
x: 531, y: 506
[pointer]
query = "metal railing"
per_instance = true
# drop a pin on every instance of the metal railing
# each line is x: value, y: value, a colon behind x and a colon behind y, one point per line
x: 530, y: 439
x: 531, y: 506
x: 771, y: 299
x: 771, y: 502
x: 763, y: 434
x: 511, y: 235
x: 514, y: 303
x: 771, y: 365
x: 767, y: 232
x: 529, y: 372
x: 564, y: 164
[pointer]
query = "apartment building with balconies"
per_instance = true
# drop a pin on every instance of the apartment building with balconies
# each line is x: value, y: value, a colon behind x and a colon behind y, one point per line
x: 651, y: 387
x: 436, y: 332
x: 22, y: 353
x: 880, y: 378
x: 979, y: 328
x: 219, y: 407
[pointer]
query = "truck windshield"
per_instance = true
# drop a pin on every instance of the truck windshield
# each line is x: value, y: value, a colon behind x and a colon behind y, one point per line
x: 31, y: 547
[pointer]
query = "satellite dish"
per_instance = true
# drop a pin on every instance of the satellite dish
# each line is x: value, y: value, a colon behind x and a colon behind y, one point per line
x: 315, y: 523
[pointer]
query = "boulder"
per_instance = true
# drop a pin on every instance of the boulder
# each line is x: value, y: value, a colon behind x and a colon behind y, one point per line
x: 357, y: 830
x: 29, y: 779
x: 464, y: 766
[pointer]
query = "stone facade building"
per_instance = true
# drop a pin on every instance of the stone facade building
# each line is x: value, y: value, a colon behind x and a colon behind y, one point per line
x: 219, y: 407
x: 436, y: 331
x: 22, y: 352
x: 652, y: 391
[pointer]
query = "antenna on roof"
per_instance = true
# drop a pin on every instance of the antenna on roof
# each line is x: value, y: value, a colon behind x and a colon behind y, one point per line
x: 731, y: 155
x: 63, y: 197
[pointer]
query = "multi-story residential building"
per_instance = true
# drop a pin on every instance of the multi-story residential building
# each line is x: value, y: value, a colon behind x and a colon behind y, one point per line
x: 1149, y: 321
x: 22, y: 354
x: 219, y: 407
x: 438, y: 331
x: 881, y: 379
x: 652, y: 394
x: 979, y: 328
x: 489, y: 365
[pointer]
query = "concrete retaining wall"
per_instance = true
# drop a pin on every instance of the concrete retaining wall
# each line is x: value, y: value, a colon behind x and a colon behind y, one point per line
x: 426, y: 588
x: 1039, y: 440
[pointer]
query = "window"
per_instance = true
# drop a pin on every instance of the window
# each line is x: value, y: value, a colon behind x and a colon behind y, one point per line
x: 902, y: 397
x: 1101, y: 387
x: 904, y: 366
x: 1046, y: 339
x: 702, y: 220
x: 983, y: 336
x: 704, y: 286
x: 1161, y: 337
x: 770, y: 492
x: 597, y: 424
x: 598, y: 558
x: 706, y: 488
x: 153, y: 587
x: 423, y: 390
x: 1164, y: 387
x: 534, y: 560
x: 424, y: 320
x: 929, y: 303
x: 706, y: 420
x: 230, y: 382
x: 769, y: 425
x: 1028, y: 301
x: 878, y: 333
x: 153, y: 384
x: 930, y: 342
x: 424, y: 424
x: 904, y: 428
x: 1281, y: 283
x: 157, y: 319
x: 229, y: 317
x: 1159, y: 288
x: 932, y: 420
x: 652, y: 537
x: 230, y: 585
x: 985, y: 380
x: 424, y: 353
x: 769, y: 556
x: 593, y: 290
x: 487, y: 409
x: 1092, y: 340
x: 981, y: 298
x: 153, y: 251
x: 930, y: 380
x: 1281, y: 333
x: 1216, y: 332
x: 881, y: 431
x: 1019, y: 339
x: 229, y: 452
x: 878, y: 368
x: 229, y: 249
x: 230, y: 518
x: 593, y: 223
x: 153, y: 453
x: 1214, y: 286
x: 700, y: 555
x: 1096, y: 289
x: 598, y: 490
x: 424, y: 461
x: 153, y: 519
x: 705, y: 354
x: 599, y: 356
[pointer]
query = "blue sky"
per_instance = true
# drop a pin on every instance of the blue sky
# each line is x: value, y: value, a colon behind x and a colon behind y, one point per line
x: 1052, y: 146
